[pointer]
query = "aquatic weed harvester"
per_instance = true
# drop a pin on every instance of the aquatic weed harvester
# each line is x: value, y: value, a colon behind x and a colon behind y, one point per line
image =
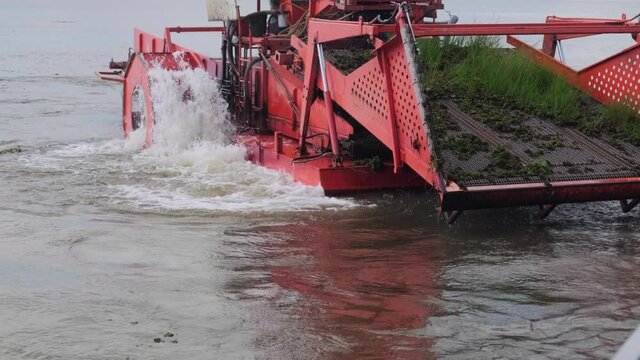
x: 356, y: 95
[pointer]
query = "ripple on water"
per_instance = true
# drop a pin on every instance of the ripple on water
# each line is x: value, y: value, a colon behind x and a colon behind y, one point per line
x: 108, y: 246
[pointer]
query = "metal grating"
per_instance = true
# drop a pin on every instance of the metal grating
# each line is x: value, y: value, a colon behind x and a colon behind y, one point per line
x: 557, y: 178
x: 579, y: 158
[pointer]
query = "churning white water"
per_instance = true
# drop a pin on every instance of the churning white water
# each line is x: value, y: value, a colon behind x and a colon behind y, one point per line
x: 188, y: 110
x: 192, y: 164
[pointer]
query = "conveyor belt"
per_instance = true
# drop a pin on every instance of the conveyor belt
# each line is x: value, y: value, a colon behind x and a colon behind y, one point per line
x: 576, y: 157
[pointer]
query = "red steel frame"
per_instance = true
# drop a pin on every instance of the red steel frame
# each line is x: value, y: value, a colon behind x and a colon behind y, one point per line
x: 614, y: 79
x: 383, y: 96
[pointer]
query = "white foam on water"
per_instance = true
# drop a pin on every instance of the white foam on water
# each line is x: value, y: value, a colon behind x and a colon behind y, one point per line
x: 130, y: 145
x: 192, y: 163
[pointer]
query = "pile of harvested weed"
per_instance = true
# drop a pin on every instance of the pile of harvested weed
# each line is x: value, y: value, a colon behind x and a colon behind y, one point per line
x: 502, y: 88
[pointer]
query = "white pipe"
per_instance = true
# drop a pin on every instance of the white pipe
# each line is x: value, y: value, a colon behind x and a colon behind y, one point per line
x: 323, y: 71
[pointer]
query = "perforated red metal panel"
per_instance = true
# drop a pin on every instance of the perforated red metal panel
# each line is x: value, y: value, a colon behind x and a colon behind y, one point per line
x: 411, y: 132
x: 370, y: 92
x: 365, y: 95
x: 616, y: 79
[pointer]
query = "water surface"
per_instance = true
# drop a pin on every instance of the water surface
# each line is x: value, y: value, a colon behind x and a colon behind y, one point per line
x: 106, y: 247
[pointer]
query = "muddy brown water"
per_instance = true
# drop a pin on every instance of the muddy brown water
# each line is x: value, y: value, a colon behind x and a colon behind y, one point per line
x: 105, y: 248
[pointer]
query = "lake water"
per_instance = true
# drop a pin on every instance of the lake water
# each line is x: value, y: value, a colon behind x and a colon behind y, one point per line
x: 105, y: 247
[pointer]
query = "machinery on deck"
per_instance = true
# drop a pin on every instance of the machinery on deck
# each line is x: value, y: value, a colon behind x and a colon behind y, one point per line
x: 330, y: 92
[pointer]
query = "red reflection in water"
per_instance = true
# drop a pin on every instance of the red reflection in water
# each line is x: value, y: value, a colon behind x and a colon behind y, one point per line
x: 369, y: 289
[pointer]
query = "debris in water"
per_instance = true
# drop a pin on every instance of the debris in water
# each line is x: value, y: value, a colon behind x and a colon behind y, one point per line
x: 12, y: 150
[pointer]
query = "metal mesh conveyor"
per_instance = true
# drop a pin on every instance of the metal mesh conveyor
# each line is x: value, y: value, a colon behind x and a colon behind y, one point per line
x: 573, y: 156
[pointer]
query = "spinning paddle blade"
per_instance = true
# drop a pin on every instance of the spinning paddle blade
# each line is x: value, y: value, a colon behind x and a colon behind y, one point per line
x: 218, y: 10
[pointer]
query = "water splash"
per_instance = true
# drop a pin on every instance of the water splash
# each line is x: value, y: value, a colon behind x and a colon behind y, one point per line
x: 192, y: 164
x: 188, y: 110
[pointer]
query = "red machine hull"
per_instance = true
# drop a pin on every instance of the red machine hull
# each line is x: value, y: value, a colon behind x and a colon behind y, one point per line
x: 282, y: 87
x: 282, y: 155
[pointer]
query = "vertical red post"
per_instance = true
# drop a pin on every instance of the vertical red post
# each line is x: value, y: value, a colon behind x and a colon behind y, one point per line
x: 328, y: 101
x: 310, y: 77
x: 168, y: 44
x: 395, y: 148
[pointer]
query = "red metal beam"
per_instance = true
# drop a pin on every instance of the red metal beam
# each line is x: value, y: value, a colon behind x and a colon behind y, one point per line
x: 525, y: 29
x: 310, y: 57
x: 547, y: 61
x: 330, y: 30
x: 395, y: 145
x: 551, y: 40
x: 170, y: 47
x: 612, y: 80
x: 487, y: 197
x: 181, y: 29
